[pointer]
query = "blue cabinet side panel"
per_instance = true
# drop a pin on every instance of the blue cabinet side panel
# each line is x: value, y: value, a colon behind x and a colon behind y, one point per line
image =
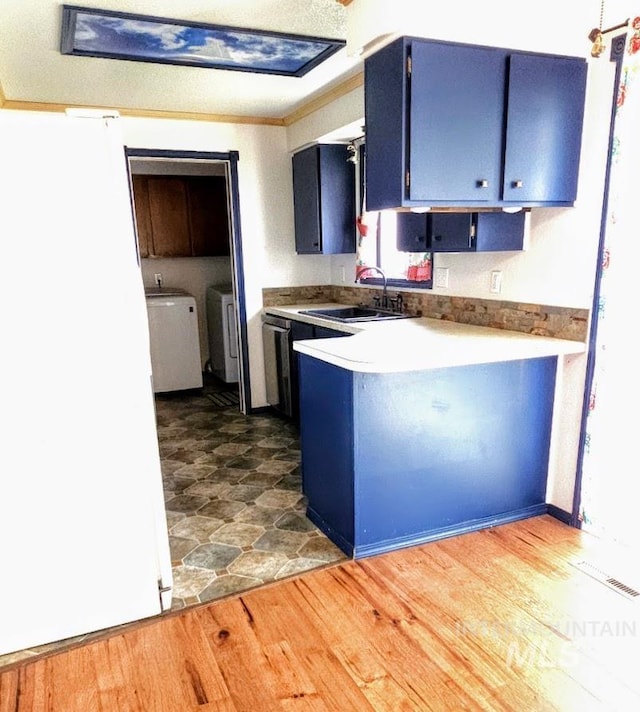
x: 385, y: 101
x: 326, y: 437
x: 438, y: 448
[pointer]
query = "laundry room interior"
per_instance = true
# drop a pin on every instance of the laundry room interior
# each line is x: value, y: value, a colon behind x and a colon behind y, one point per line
x: 182, y: 221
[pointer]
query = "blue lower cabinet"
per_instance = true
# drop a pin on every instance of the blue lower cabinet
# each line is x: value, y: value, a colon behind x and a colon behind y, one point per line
x: 390, y: 460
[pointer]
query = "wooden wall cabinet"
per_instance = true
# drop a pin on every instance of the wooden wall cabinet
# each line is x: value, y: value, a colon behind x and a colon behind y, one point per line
x: 181, y: 216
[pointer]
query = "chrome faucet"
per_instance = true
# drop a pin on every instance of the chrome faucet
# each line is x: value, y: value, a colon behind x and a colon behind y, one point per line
x: 385, y: 298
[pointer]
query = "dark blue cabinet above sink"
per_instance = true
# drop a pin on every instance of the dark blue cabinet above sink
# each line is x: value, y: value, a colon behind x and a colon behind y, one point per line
x: 470, y: 126
x: 460, y: 232
x: 324, y: 200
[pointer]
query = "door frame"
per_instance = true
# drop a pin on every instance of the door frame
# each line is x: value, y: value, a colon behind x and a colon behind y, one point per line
x: 237, y: 261
x: 616, y: 55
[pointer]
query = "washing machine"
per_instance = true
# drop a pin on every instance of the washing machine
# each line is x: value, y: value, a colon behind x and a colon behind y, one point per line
x: 175, y: 341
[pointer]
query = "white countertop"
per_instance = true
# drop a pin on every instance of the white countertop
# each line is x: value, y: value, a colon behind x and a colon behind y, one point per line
x: 417, y: 344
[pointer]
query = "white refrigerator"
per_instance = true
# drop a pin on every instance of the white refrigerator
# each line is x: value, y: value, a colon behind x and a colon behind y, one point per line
x: 83, y: 535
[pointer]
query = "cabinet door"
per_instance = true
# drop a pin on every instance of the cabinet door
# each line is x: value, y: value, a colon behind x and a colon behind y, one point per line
x: 544, y: 128
x: 323, y: 332
x: 456, y: 120
x: 450, y: 232
x: 169, y: 221
x: 324, y: 200
x: 301, y: 330
x: 337, y: 200
x: 306, y: 202
x: 411, y: 232
x: 208, y: 215
x: 143, y: 215
x: 497, y: 232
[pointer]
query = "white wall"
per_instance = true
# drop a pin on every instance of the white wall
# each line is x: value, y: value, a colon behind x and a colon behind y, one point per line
x: 544, y: 26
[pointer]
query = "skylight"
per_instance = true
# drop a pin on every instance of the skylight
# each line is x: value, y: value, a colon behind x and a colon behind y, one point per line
x: 90, y: 32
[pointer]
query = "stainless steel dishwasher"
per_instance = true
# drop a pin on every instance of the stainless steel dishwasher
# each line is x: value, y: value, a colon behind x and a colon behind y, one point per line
x: 276, y: 339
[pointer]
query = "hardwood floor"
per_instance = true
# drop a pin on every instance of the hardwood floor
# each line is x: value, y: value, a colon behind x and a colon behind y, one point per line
x: 500, y: 619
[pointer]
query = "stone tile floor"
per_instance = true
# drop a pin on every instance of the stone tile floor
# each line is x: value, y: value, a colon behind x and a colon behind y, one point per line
x: 235, y: 509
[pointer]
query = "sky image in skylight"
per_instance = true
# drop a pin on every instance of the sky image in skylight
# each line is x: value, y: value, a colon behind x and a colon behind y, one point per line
x: 155, y: 40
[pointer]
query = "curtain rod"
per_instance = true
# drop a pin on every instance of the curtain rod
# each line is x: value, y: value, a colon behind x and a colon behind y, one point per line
x: 615, y: 27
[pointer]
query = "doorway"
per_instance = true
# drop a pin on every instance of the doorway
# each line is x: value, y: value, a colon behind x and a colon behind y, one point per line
x: 235, y: 510
x: 232, y: 484
x: 181, y: 259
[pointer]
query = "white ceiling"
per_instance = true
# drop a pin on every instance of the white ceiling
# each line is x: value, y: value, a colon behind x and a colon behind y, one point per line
x: 32, y: 69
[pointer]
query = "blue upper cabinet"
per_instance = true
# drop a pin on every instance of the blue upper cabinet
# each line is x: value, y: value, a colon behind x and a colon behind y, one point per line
x: 462, y: 125
x: 324, y: 200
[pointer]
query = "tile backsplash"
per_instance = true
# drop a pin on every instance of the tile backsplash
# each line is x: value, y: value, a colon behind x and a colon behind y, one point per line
x: 557, y: 322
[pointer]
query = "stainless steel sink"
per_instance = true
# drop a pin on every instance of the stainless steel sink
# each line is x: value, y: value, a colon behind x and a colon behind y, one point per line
x: 355, y: 314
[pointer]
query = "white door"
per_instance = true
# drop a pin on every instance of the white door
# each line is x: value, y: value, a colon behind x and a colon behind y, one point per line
x: 83, y: 540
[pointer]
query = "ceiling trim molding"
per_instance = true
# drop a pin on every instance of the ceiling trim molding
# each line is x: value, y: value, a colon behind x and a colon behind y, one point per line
x: 146, y: 113
x: 323, y: 99
x: 305, y: 110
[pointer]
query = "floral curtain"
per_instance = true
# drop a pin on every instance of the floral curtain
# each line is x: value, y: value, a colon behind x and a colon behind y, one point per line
x: 376, y: 240
x: 366, y: 252
x: 608, y: 499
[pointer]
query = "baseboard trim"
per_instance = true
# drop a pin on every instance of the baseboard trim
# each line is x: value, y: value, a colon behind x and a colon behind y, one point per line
x: 361, y: 551
x: 560, y: 514
x: 336, y: 538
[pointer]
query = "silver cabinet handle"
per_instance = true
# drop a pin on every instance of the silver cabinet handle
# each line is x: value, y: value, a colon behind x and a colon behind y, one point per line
x: 483, y: 183
x: 516, y: 184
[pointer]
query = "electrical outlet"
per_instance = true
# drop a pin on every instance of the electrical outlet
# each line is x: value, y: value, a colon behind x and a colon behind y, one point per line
x: 342, y: 274
x: 158, y: 278
x: 441, y: 277
x: 496, y: 282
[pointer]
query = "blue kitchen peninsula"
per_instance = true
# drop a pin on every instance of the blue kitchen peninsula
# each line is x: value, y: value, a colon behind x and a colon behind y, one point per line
x: 417, y: 429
